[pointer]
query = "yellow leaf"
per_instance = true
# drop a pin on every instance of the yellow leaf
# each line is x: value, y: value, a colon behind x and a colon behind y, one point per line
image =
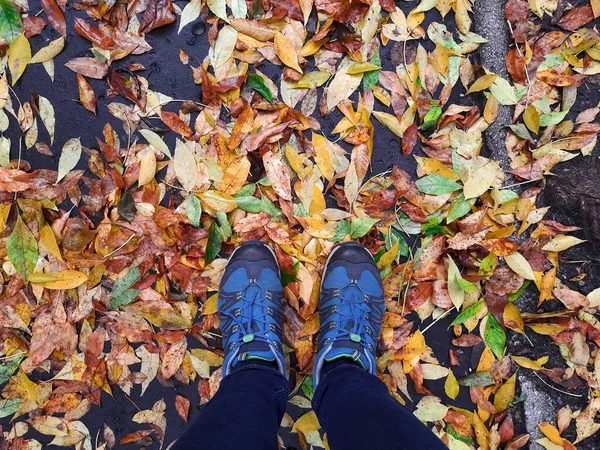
x: 362, y: 67
x: 482, y: 83
x: 551, y: 433
x: 486, y: 360
x: 318, y: 201
x: 538, y: 364
x: 66, y: 279
x: 512, y: 318
x: 546, y: 329
x: 49, y: 240
x: 388, y: 257
x: 284, y: 47
x: 308, y: 423
x: 451, y: 385
x: 211, y: 305
x: 312, y: 79
x: 520, y: 265
x: 147, y: 168
x: 218, y: 201
x: 235, y: 175
x: 322, y: 158
x: 211, y: 358
x: 481, y: 433
x: 490, y: 112
x: 432, y: 166
x: 49, y: 52
x: 561, y: 242
x: 295, y: 160
x: 506, y: 394
x: 19, y: 55
x: 389, y: 121
x: 532, y: 119
x: 595, y: 7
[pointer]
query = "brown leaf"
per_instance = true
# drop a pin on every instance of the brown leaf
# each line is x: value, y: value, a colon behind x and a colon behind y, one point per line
x: 157, y: 14
x: 174, y: 122
x: 182, y: 406
x: 94, y: 35
x: 33, y: 26
x: 467, y: 340
x: 576, y: 18
x: 409, y: 139
x: 173, y: 358
x: 278, y: 175
x: 86, y: 94
x: 55, y: 16
x: 90, y: 67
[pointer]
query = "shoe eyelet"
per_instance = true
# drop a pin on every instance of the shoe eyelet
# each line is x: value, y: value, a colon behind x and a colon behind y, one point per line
x: 272, y: 327
x: 270, y: 311
x: 331, y: 325
x: 368, y: 330
x: 238, y: 312
x: 235, y: 328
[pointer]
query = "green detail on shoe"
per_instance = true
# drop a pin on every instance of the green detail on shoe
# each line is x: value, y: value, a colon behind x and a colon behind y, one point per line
x: 355, y: 337
x: 248, y: 338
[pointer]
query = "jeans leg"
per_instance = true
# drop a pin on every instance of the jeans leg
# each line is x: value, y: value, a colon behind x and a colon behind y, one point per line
x: 245, y: 413
x: 357, y: 413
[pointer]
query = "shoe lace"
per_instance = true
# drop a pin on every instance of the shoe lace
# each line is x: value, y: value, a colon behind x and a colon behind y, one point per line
x: 353, y: 310
x: 252, y: 314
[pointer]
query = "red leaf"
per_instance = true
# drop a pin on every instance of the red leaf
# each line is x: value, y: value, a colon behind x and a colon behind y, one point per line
x: 409, y: 139
x: 117, y: 83
x: 33, y: 26
x: 576, y: 18
x: 55, y: 16
x: 229, y: 83
x: 86, y: 94
x: 182, y: 406
x: 507, y: 429
x: 94, y: 35
x: 515, y: 63
x: 158, y: 13
x: 467, y: 340
x: 174, y: 122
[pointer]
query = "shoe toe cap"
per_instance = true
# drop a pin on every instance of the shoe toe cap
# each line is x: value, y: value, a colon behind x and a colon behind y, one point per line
x: 351, y: 252
x: 253, y: 251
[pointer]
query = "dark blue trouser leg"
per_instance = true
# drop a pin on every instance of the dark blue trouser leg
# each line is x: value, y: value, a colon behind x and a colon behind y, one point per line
x: 357, y: 413
x: 245, y: 413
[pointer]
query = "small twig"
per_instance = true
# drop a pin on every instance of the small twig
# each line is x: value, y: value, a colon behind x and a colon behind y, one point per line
x: 556, y: 389
x: 436, y: 320
x: 14, y: 355
x: 518, y: 184
x: 123, y: 245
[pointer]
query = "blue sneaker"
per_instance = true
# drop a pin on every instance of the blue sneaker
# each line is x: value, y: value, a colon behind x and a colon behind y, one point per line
x: 250, y: 307
x: 351, y: 308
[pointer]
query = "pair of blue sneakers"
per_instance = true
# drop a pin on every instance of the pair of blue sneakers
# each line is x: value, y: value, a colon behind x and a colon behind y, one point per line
x: 251, y: 300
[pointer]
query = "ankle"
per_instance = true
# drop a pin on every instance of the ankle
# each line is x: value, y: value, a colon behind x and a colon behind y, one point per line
x: 328, y: 366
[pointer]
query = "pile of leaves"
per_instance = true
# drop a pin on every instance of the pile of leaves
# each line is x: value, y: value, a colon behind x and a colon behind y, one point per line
x: 110, y: 274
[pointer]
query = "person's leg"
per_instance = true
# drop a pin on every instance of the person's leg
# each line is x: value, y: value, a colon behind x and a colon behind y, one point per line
x: 245, y: 413
x: 352, y: 404
x: 356, y: 411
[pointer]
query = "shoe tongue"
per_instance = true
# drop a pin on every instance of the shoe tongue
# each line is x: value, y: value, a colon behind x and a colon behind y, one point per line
x: 348, y: 349
x: 256, y: 350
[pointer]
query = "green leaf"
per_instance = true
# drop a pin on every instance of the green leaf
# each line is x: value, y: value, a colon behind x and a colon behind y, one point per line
x: 154, y: 139
x: 247, y: 190
x: 308, y: 387
x: 213, y: 247
x: 494, y: 336
x: 553, y: 118
x: 516, y: 295
x: 9, y: 406
x: 194, y: 210
x: 432, y: 227
x: 22, y: 249
x: 249, y: 203
x: 394, y: 237
x: 69, y: 157
x: 9, y: 367
x: 361, y: 226
x: 520, y: 130
x: 503, y: 91
x: 225, y: 227
x: 371, y: 78
x: 431, y: 118
x: 455, y: 290
x: 258, y: 84
x: 437, y: 185
x: 477, y: 379
x: 466, y: 286
x: 468, y: 313
x: 487, y: 264
x: 342, y: 229
x: 10, y: 21
x: 121, y: 292
x: 287, y: 278
x: 270, y: 208
x: 456, y: 435
x: 458, y: 209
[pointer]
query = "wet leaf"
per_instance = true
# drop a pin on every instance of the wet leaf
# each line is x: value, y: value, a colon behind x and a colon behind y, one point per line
x: 69, y: 157
x: 22, y: 249
x: 520, y: 265
x: 66, y: 279
x: 10, y: 21
x: 19, y: 55
x: 437, y: 185
x: 258, y: 84
x: 86, y: 94
x: 494, y: 336
x: 194, y: 210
